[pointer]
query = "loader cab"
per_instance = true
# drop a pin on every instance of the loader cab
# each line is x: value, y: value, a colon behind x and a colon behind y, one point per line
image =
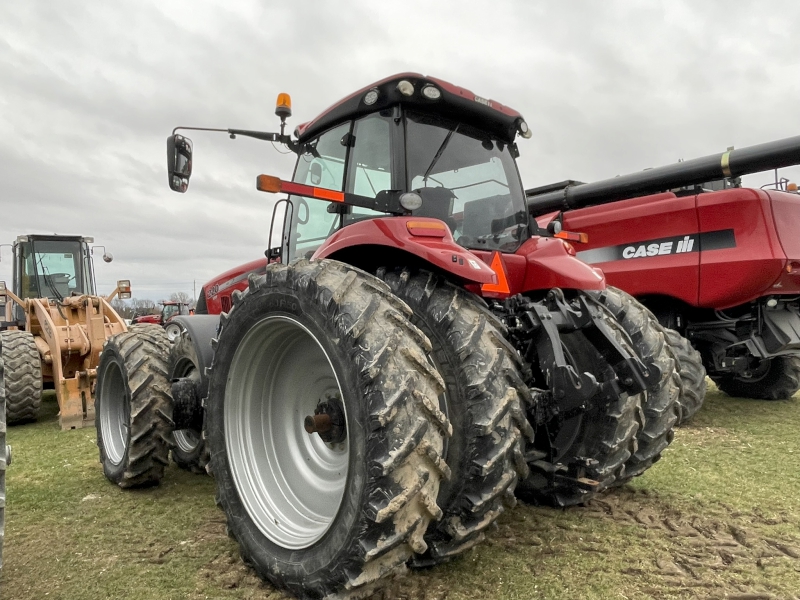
x: 52, y: 266
x: 456, y: 158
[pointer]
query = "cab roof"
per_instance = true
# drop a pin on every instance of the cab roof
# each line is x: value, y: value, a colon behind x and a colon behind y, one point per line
x: 455, y: 103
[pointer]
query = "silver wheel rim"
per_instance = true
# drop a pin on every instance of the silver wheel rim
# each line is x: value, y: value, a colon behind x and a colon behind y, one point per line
x: 114, y: 413
x: 173, y: 331
x: 187, y: 440
x: 290, y: 482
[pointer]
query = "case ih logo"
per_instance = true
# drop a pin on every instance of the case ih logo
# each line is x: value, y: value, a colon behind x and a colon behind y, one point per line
x: 682, y: 244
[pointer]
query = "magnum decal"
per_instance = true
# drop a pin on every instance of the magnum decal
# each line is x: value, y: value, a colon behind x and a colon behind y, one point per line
x: 710, y: 240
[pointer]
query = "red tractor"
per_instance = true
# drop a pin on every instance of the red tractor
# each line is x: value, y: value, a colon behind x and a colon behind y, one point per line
x: 715, y: 261
x: 169, y: 310
x: 370, y: 392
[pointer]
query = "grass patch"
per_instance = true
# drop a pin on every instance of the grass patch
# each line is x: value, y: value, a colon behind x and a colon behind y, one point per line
x: 717, y: 517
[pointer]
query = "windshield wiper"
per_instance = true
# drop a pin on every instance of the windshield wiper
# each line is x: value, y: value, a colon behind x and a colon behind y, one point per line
x: 439, y: 152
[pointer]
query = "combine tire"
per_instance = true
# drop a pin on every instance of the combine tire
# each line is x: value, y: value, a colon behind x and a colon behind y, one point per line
x: 22, y: 376
x: 660, y: 408
x: 5, y: 458
x: 689, y: 364
x: 190, y: 451
x: 775, y: 379
x: 596, y: 443
x: 482, y: 400
x: 324, y: 348
x: 132, y: 407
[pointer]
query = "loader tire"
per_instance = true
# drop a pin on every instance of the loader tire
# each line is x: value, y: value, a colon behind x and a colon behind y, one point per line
x: 133, y: 413
x: 22, y: 376
x: 5, y: 459
x: 333, y: 510
x: 660, y: 408
x: 482, y: 399
x: 779, y: 379
x: 596, y: 443
x: 692, y: 373
x: 189, y: 451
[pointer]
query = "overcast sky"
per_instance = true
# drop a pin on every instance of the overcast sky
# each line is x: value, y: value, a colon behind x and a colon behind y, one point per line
x: 89, y: 92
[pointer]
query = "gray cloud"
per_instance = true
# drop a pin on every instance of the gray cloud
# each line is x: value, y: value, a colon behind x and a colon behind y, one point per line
x: 90, y: 91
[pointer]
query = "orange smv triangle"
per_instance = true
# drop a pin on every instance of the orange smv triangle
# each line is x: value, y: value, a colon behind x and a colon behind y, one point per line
x: 501, y: 287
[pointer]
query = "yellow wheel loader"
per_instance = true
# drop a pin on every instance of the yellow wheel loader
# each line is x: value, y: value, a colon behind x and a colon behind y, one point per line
x: 54, y: 327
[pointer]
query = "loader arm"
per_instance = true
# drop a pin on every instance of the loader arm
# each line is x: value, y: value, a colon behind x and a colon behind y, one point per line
x: 70, y: 337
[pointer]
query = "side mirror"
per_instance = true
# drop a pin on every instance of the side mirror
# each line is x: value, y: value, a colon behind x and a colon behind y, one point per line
x: 179, y: 162
x: 108, y: 257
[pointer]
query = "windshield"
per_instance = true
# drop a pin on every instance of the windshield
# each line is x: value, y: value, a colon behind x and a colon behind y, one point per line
x: 467, y: 180
x: 51, y: 269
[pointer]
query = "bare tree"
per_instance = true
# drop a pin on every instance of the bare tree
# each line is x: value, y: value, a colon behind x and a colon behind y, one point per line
x: 143, y: 306
x: 122, y: 307
x: 182, y: 297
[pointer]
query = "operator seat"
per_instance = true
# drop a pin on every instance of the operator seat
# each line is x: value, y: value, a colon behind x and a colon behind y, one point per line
x: 437, y: 203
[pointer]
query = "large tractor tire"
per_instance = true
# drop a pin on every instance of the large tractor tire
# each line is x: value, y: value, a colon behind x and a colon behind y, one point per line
x: 190, y: 451
x: 660, y: 408
x: 133, y: 413
x: 597, y: 442
x: 5, y: 460
x: 692, y: 373
x: 22, y: 376
x: 324, y: 429
x: 482, y: 399
x: 774, y: 379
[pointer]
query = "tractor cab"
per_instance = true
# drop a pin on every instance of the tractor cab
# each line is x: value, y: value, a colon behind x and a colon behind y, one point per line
x: 53, y: 266
x: 437, y: 150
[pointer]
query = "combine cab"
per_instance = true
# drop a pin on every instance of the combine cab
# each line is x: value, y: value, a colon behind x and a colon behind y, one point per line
x: 371, y: 391
x: 715, y: 261
x: 54, y: 328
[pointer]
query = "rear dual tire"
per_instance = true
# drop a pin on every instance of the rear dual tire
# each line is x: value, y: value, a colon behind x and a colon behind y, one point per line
x: 482, y: 398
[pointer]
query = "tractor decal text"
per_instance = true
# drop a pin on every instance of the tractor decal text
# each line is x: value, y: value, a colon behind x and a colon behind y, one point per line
x: 682, y: 244
x: 221, y: 287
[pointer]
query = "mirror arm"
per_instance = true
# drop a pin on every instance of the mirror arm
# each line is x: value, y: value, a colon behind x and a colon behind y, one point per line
x: 259, y: 135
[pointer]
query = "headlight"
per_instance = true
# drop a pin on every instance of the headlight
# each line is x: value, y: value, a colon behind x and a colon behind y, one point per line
x: 371, y: 97
x: 431, y: 92
x: 411, y: 201
x: 405, y: 88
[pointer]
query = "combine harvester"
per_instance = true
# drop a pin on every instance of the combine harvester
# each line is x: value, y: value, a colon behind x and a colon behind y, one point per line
x: 371, y: 392
x: 717, y: 262
x: 54, y: 328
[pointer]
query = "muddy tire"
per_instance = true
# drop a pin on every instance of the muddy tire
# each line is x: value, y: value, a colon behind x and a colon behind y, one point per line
x: 660, y: 408
x: 5, y: 457
x: 778, y: 379
x: 133, y: 413
x: 22, y: 377
x: 351, y: 503
x: 692, y: 373
x: 592, y: 446
x: 189, y: 451
x: 483, y: 402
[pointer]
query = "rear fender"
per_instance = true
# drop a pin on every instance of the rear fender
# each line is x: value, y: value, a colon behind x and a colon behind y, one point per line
x: 428, y: 243
x: 551, y: 263
x: 201, y: 330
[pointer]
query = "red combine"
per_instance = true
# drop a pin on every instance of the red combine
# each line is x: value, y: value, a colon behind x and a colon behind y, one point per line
x: 370, y: 392
x: 715, y: 261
